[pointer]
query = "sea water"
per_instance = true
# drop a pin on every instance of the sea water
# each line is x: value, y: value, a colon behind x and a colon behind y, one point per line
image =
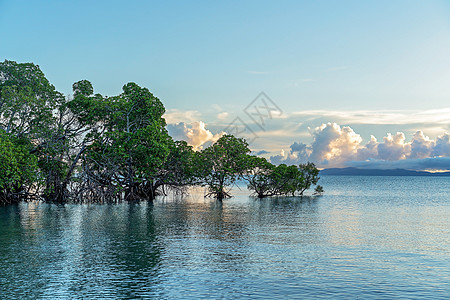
x: 366, y: 237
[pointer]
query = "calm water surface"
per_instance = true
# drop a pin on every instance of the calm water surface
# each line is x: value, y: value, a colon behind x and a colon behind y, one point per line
x: 367, y: 237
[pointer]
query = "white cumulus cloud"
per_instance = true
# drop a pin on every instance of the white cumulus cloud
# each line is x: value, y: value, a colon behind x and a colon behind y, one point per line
x: 195, y: 133
x: 442, y: 147
x: 336, y: 146
x: 333, y: 143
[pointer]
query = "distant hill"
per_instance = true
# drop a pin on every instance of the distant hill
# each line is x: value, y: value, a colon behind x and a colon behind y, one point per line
x: 378, y: 172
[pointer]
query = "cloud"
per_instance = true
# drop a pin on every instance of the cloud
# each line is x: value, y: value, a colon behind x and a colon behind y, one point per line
x: 421, y: 146
x: 382, y: 117
x: 364, y: 137
x: 442, y: 146
x: 336, y: 146
x: 222, y: 116
x: 195, y: 134
x: 393, y: 147
x: 262, y: 152
x: 368, y: 150
x: 173, y: 116
x: 282, y: 128
x: 436, y: 119
x: 333, y: 143
x: 217, y: 107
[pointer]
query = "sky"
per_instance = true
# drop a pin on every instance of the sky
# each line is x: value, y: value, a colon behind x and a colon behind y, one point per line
x: 336, y: 76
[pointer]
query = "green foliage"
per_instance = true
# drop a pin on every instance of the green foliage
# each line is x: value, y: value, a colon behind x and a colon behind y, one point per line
x: 259, y: 175
x: 265, y: 179
x: 128, y: 141
x: 26, y: 100
x: 103, y: 148
x: 287, y: 179
x: 31, y: 109
x: 179, y: 168
x: 221, y: 164
x: 310, y: 175
x: 18, y: 168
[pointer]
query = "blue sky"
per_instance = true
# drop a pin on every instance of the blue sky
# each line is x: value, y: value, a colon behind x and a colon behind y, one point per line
x: 201, y: 58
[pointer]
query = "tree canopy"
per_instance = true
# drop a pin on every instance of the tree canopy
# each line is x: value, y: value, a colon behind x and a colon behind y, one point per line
x: 91, y: 147
x: 265, y: 179
x: 18, y: 168
x: 128, y: 142
x: 221, y: 164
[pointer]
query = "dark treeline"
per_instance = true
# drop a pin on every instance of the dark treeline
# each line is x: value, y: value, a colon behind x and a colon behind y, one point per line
x: 91, y: 147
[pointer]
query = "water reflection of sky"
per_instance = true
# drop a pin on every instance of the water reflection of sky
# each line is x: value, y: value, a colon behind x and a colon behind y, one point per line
x: 355, y: 240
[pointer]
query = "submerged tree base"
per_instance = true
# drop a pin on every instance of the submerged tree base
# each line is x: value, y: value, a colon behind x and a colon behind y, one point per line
x: 218, y: 195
